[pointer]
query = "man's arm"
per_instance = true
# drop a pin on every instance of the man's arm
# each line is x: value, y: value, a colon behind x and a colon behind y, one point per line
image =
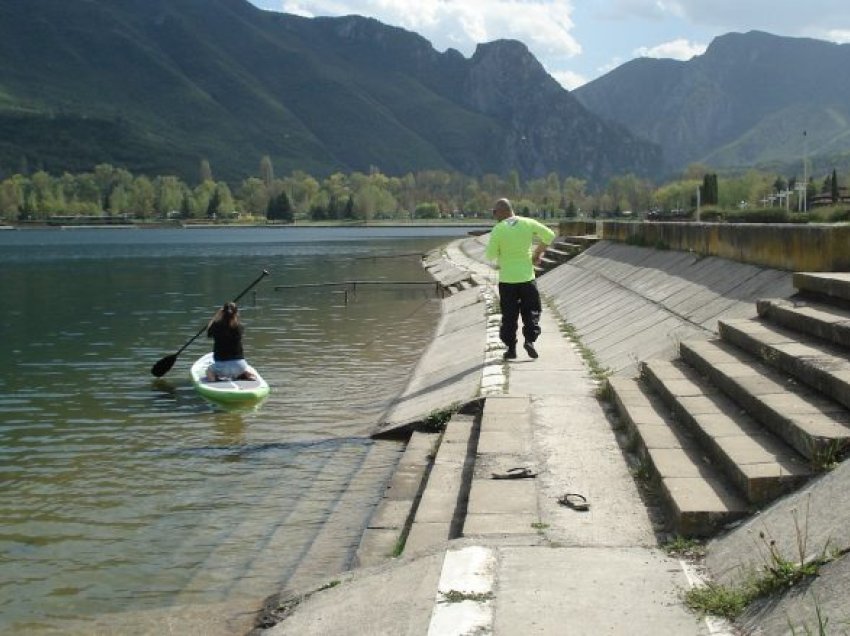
x: 538, y: 253
x: 546, y: 237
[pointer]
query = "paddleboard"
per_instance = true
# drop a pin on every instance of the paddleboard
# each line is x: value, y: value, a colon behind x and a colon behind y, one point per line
x: 227, y: 391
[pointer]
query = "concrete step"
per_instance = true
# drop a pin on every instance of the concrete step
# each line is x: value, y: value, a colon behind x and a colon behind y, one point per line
x: 698, y: 496
x: 387, y: 529
x: 819, y: 319
x: 759, y: 464
x: 821, y: 365
x: 503, y: 507
x: 559, y: 255
x: 566, y: 245
x: 583, y: 241
x: 442, y: 508
x: 827, y: 284
x: 446, y: 273
x: 817, y: 427
x: 547, y: 263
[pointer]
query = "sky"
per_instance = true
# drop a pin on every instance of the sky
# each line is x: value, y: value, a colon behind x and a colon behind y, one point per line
x: 580, y: 40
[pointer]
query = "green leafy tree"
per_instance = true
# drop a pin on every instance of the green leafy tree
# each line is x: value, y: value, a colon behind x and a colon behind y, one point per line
x: 142, y: 197
x: 168, y: 194
x: 201, y: 195
x: 320, y: 207
x: 427, y: 211
x: 119, y: 200
x: 254, y: 196
x: 12, y: 197
x: 43, y: 202
x: 186, y: 206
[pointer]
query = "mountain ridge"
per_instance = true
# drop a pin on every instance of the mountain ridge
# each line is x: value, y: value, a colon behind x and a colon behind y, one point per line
x: 174, y: 82
x: 744, y: 103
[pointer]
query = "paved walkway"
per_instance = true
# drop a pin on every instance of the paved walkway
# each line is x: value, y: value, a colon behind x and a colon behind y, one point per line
x: 527, y: 564
x: 594, y: 572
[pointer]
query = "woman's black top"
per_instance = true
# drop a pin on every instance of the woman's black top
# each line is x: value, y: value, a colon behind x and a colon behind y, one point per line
x: 227, y: 342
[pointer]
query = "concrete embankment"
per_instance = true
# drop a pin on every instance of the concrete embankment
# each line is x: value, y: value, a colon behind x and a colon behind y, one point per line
x: 452, y: 550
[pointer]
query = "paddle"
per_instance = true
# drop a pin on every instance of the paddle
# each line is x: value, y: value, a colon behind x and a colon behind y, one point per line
x: 164, y: 365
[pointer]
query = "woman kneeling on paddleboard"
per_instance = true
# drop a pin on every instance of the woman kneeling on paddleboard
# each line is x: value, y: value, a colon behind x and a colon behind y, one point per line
x: 228, y: 357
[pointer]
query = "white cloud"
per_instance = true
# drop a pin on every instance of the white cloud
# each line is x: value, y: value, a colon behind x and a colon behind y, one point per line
x: 679, y: 49
x: 841, y: 36
x: 569, y: 79
x: 816, y: 18
x: 545, y: 26
x: 651, y: 10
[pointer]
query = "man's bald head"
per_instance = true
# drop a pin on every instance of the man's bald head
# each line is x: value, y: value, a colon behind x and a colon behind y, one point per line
x: 503, y: 209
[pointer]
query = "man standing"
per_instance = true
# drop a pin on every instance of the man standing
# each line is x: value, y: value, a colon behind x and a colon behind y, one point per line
x: 510, y: 246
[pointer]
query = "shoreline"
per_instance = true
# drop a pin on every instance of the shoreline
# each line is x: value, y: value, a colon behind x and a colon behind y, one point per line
x: 271, y: 226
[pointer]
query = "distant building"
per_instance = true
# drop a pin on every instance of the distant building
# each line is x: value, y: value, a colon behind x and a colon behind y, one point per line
x: 825, y: 198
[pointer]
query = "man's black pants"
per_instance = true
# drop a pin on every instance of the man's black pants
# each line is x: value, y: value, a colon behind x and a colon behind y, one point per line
x: 515, y: 300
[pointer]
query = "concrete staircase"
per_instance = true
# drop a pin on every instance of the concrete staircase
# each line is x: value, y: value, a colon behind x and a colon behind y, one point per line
x: 739, y: 420
x: 562, y: 249
x: 444, y: 489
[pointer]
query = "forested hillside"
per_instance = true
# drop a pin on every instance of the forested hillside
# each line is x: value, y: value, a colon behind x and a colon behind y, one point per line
x: 157, y: 86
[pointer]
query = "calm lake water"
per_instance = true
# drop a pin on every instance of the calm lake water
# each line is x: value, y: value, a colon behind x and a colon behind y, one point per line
x: 124, y: 496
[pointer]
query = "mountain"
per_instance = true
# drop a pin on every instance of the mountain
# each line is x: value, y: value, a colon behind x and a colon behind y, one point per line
x: 745, y: 102
x: 156, y: 86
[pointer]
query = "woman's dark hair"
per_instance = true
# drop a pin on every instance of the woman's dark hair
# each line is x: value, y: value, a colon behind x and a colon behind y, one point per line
x: 227, y: 315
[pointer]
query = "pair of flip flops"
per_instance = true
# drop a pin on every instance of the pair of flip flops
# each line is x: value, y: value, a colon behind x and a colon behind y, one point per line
x: 575, y: 501
x: 516, y: 473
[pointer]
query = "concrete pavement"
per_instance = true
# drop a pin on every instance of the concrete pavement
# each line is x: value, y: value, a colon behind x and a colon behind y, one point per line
x: 521, y: 563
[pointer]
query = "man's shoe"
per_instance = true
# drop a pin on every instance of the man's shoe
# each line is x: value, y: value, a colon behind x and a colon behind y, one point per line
x: 529, y: 349
x: 510, y: 354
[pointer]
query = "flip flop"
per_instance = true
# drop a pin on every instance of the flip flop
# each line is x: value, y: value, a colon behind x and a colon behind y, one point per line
x: 515, y: 473
x: 575, y: 501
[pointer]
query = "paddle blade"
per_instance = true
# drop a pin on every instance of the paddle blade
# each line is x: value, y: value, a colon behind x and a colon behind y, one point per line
x: 163, y: 366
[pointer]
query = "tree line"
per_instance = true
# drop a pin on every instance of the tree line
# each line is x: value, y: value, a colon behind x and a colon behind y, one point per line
x: 358, y: 196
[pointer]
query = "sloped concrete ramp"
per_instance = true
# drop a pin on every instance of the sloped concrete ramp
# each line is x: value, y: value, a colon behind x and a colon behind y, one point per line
x: 449, y: 372
x: 631, y: 303
x: 811, y: 523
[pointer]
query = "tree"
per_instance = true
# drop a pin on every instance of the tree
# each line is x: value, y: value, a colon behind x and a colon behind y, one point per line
x: 348, y: 211
x: 214, y: 205
x: 118, y: 201
x: 427, y: 211
x: 186, y: 206
x: 834, y: 192
x: 254, y: 196
x: 280, y: 208
x: 143, y: 200
x: 709, y: 190
x: 205, y: 171
x: 11, y: 197
x: 266, y: 171
x: 168, y: 195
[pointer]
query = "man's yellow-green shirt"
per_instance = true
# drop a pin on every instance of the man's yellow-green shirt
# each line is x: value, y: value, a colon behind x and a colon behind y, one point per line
x: 511, y: 242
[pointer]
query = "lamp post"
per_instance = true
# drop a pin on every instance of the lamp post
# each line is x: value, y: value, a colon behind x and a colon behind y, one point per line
x: 805, y: 171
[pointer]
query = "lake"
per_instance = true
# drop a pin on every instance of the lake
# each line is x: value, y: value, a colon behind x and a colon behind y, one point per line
x: 124, y: 495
